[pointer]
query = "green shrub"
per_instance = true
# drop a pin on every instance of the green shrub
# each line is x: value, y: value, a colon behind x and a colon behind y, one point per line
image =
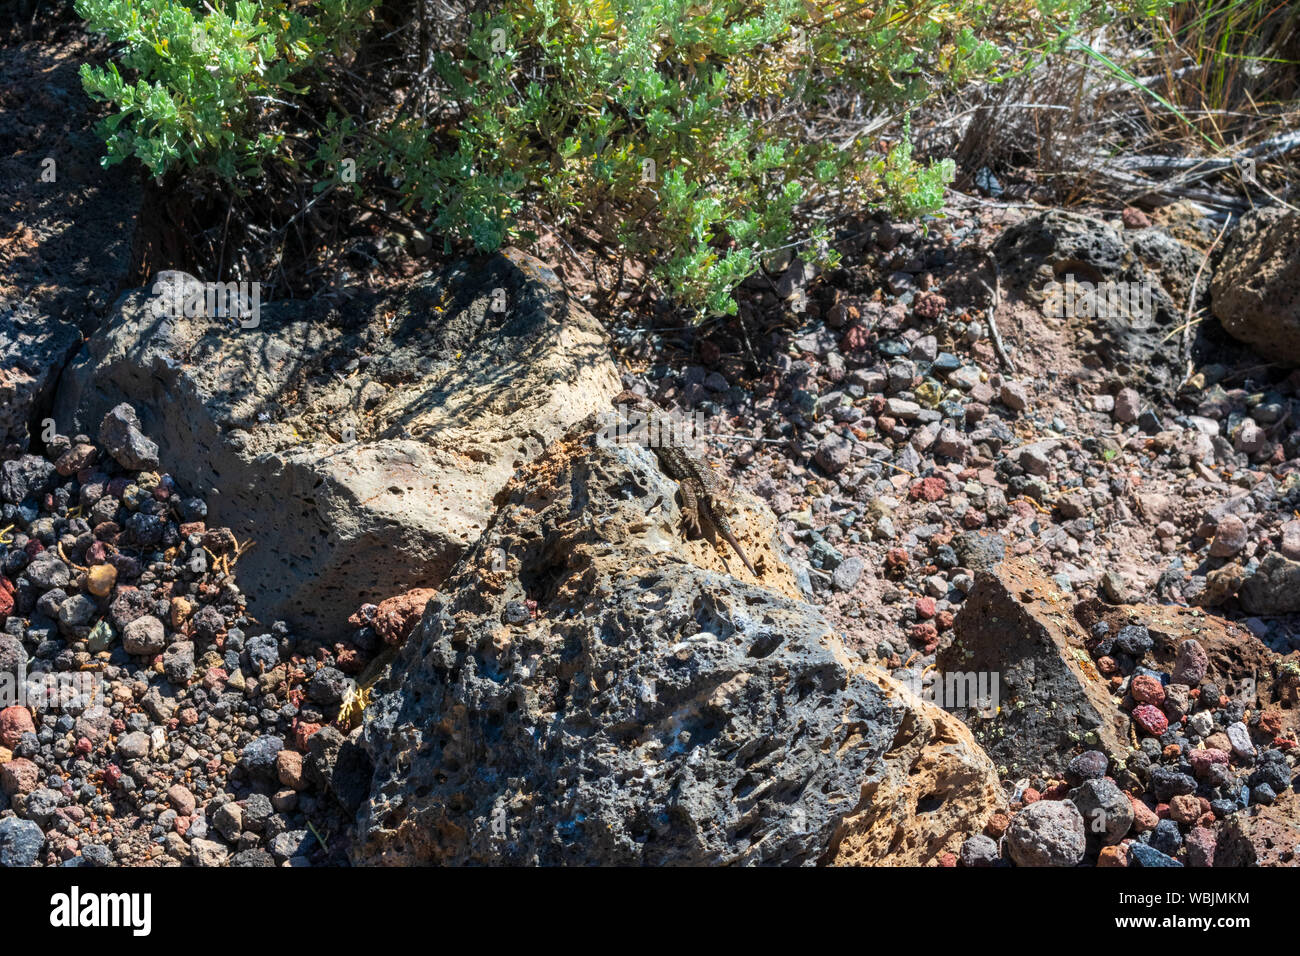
x: 698, y: 135
x: 204, y: 77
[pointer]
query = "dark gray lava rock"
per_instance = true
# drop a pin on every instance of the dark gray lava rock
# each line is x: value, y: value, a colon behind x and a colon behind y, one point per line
x: 654, y: 712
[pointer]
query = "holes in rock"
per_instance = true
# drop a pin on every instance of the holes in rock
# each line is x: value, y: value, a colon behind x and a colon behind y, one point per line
x: 764, y: 645
x: 930, y: 803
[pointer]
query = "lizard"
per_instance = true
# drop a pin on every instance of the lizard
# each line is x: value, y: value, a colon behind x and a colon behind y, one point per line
x: 701, y: 492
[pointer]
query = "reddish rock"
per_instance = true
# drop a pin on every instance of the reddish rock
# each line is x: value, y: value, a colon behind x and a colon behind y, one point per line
x: 1030, y: 796
x: 928, y: 489
x: 1057, y: 791
x: 948, y: 859
x: 925, y: 607
x: 181, y: 798
x: 303, y: 732
x: 855, y: 339
x: 1201, y: 760
x: 19, y: 775
x: 77, y: 458
x: 1200, y: 843
x: 288, y: 768
x: 1113, y: 856
x: 997, y: 824
x: 1150, y: 719
x: 1147, y: 689
x: 1270, y: 721
x: 924, y: 633
x: 1144, y: 818
x: 394, y: 619
x: 14, y: 722
x: 929, y: 305
x: 1188, y: 643
x: 1134, y: 218
x: 1184, y: 808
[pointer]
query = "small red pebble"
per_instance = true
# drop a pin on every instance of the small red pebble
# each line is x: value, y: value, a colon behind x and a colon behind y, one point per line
x: 944, y: 620
x: 303, y: 732
x: 84, y: 746
x: 1150, y: 719
x: 6, y: 603
x: 928, y: 489
x: 998, y: 824
x: 1134, y: 218
x: 1030, y: 796
x: 112, y: 774
x: 1271, y: 722
x: 14, y: 722
x: 1171, y: 752
x: 1284, y: 743
x: 1113, y: 856
x: 1057, y: 791
x: 925, y: 607
x: 855, y: 339
x: 948, y: 859
x: 973, y: 518
x: 923, y: 633
x: 896, y: 558
x: 1162, y: 811
x: 1107, y: 665
x: 1147, y: 689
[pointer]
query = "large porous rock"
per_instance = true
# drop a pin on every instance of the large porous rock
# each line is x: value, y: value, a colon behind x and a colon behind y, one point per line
x: 66, y: 224
x: 360, y: 445
x: 1261, y: 836
x: 1272, y: 588
x: 1017, y: 628
x: 588, y: 688
x: 1052, y: 247
x: 33, y: 350
x: 1255, y: 293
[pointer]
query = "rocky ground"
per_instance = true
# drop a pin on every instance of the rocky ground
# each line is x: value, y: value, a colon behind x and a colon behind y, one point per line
x: 363, y: 586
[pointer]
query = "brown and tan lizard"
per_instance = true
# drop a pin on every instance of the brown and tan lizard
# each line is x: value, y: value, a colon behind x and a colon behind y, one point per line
x: 701, y: 492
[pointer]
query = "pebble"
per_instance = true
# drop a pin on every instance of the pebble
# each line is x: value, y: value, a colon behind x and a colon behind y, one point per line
x: 1047, y: 833
x: 1239, y: 739
x: 1142, y: 855
x: 1106, y: 810
x: 849, y: 571
x: 20, y: 842
x: 144, y: 636
x: 1230, y: 537
x: 978, y: 850
x: 1190, y: 664
x: 1128, y: 405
